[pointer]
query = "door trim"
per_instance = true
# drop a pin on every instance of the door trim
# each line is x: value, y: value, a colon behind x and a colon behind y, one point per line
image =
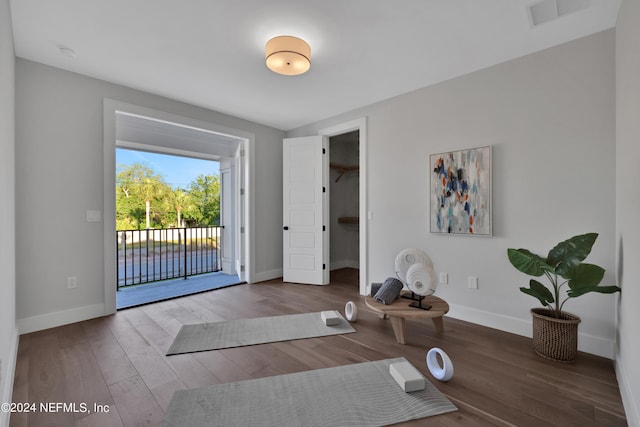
x: 361, y: 126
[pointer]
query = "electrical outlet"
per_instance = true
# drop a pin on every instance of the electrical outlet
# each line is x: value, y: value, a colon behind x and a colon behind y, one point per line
x: 72, y: 282
x: 473, y: 282
x: 444, y: 278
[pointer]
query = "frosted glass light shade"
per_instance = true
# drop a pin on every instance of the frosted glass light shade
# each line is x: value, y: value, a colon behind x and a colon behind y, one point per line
x: 288, y: 55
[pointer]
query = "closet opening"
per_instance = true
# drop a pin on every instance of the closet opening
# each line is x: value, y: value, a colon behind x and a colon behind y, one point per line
x: 344, y: 201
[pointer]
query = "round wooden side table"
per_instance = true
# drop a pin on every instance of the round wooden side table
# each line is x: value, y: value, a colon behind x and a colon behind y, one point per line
x: 399, y: 310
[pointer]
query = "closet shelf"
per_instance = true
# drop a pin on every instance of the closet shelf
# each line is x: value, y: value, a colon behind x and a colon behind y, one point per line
x: 343, y: 169
x: 349, y: 220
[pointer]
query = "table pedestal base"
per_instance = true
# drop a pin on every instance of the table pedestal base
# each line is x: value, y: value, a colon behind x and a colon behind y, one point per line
x: 400, y: 309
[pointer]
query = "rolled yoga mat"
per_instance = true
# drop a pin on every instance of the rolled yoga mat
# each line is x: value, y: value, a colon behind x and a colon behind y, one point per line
x: 389, y: 291
x: 375, y: 287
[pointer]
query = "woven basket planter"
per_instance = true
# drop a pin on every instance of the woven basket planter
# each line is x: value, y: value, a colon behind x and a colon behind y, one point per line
x: 555, y: 339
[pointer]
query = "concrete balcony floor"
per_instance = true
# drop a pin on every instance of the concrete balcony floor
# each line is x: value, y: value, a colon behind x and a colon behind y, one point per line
x: 133, y: 296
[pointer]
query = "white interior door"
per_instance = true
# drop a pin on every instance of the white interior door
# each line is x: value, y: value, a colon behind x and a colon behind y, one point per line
x: 240, y: 206
x: 227, y: 218
x: 306, y: 210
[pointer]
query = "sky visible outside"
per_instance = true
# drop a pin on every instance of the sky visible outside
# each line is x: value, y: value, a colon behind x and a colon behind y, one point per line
x: 177, y: 171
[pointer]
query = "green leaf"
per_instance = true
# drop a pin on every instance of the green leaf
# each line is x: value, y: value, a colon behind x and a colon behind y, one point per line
x: 600, y: 289
x: 528, y: 262
x: 585, y: 276
x: 540, y: 291
x: 570, y: 253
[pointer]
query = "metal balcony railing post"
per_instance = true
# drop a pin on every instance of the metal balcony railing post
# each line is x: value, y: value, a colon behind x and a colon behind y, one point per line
x: 185, y: 253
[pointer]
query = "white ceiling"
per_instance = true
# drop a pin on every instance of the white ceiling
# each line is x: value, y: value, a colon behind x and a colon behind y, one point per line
x: 210, y: 53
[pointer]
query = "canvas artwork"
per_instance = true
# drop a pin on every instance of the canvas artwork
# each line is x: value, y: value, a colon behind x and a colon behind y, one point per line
x: 461, y: 192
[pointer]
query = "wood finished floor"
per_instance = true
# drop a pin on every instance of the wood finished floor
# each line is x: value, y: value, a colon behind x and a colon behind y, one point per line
x: 120, y: 361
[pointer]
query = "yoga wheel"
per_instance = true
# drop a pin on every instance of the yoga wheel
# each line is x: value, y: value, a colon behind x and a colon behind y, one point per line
x: 444, y: 372
x: 351, y: 311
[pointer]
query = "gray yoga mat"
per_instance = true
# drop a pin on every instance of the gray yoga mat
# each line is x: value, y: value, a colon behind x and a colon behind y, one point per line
x: 362, y: 394
x: 242, y: 332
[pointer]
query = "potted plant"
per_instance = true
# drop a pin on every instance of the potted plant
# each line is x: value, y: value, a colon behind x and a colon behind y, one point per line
x: 555, y: 332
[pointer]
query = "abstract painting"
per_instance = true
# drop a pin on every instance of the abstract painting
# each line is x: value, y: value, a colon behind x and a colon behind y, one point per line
x: 461, y: 192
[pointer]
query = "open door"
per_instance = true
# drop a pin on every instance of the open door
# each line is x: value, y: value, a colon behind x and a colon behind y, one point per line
x: 227, y: 217
x: 240, y: 229
x: 306, y: 210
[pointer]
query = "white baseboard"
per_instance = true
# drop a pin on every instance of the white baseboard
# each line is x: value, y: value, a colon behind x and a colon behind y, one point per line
x: 263, y: 276
x: 596, y: 345
x: 8, y: 377
x: 491, y: 320
x: 587, y: 343
x: 59, y: 318
x: 630, y: 402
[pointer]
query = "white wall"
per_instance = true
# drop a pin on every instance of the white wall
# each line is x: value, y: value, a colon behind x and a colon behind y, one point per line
x: 550, y: 119
x: 59, y: 158
x: 8, y: 335
x: 628, y: 205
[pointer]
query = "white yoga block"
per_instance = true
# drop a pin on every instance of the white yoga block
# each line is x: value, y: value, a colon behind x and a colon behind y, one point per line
x: 405, y: 374
x: 330, y: 318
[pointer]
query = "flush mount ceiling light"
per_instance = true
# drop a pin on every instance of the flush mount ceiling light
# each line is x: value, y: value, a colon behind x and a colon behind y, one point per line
x: 288, y: 55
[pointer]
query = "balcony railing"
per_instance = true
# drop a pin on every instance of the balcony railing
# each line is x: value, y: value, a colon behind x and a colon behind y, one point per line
x: 152, y: 255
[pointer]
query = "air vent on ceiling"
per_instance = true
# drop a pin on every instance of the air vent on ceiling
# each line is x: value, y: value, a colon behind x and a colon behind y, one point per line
x: 548, y: 10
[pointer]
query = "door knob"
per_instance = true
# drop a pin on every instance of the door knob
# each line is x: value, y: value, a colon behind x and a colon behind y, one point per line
x: 285, y: 227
